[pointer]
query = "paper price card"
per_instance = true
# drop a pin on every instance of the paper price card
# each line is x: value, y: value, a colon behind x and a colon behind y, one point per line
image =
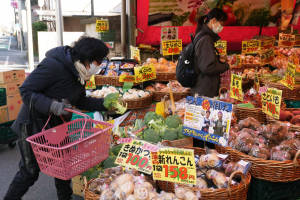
x: 289, y: 78
x: 286, y: 40
x: 297, y: 40
x: 126, y: 78
x: 267, y: 43
x: 134, y: 155
x: 144, y: 73
x: 251, y: 47
x: 236, y: 91
x: 91, y: 83
x: 221, y: 46
x: 135, y: 54
x: 207, y: 120
x: 174, y: 165
x: 102, y: 25
x: 271, y: 101
x: 171, y: 47
x: 267, y: 56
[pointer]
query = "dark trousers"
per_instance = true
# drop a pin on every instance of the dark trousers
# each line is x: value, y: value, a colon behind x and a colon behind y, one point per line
x: 24, y: 179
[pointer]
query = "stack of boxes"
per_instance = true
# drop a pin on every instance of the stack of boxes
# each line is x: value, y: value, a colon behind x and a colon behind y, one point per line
x: 77, y: 185
x: 10, y: 82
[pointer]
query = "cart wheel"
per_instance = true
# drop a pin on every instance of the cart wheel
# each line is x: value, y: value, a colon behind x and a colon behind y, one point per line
x: 12, y: 144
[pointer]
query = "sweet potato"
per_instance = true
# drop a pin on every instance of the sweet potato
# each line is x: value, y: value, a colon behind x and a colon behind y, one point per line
x: 296, y: 112
x: 289, y: 115
x: 282, y: 115
x: 296, y: 119
x: 298, y: 124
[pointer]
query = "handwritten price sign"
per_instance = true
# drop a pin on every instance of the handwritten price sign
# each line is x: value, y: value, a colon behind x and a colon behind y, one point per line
x: 91, y: 83
x: 144, y: 73
x: 171, y: 47
x: 102, y: 25
x: 256, y: 82
x: 174, y: 165
x: 267, y: 43
x: 267, y: 56
x: 127, y: 78
x: 271, y: 101
x: 289, y: 78
x: 251, y: 47
x: 286, y: 40
x: 236, y: 91
x: 135, y: 54
x: 221, y: 46
x: 297, y: 40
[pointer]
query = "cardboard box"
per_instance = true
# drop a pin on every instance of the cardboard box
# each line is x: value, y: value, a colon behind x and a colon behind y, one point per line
x: 9, y: 76
x: 3, y: 114
x: 78, y: 180
x: 14, y: 103
x: 11, y: 88
x: 77, y: 189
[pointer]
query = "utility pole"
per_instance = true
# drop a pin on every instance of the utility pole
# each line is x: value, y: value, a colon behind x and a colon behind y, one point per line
x: 29, y: 36
x: 123, y: 28
x: 59, y: 24
x: 20, y: 25
x: 92, y: 8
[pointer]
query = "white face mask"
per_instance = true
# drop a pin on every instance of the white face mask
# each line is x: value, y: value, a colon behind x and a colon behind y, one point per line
x: 217, y: 29
x: 93, y: 69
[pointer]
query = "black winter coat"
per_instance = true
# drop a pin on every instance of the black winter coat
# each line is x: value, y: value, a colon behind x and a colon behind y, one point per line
x: 55, y: 78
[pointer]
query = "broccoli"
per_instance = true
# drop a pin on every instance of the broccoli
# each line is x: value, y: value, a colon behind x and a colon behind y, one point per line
x: 173, y: 121
x: 161, y: 117
x: 151, y: 135
x: 110, y: 162
x: 112, y: 101
x: 138, y: 124
x: 116, y: 149
x: 180, y: 133
x: 169, y: 134
x: 149, y: 116
x: 140, y: 135
x: 157, y: 125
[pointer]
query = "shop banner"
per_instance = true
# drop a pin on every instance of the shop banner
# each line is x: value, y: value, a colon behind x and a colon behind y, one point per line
x: 251, y: 47
x: 144, y: 73
x: 267, y: 56
x: 174, y: 165
x: 127, y: 78
x: 135, y: 54
x: 207, y: 120
x: 286, y: 40
x: 297, y: 40
x: 271, y: 101
x: 256, y: 82
x: 171, y: 47
x: 289, y: 78
x: 221, y: 46
x: 236, y: 91
x: 267, y: 43
x: 134, y: 155
x: 91, y: 83
x: 102, y: 25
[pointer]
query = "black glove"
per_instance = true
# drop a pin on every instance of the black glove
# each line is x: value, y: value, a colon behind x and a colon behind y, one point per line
x: 57, y: 108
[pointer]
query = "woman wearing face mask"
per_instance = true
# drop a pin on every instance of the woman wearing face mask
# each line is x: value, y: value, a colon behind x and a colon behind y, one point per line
x: 207, y: 63
x: 58, y: 82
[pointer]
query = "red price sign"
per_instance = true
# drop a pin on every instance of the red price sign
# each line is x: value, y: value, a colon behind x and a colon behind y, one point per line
x: 271, y: 101
x: 267, y: 56
x: 286, y: 40
x: 297, y: 40
x: 267, y: 43
x: 271, y: 108
x: 221, y: 46
x: 236, y: 91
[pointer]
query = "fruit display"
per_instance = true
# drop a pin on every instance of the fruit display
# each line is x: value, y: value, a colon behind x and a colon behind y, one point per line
x: 250, y: 59
x: 162, y: 65
x: 250, y: 73
x: 290, y: 117
x: 285, y: 55
x: 175, y: 85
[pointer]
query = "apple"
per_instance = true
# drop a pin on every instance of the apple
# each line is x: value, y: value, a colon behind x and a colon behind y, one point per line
x: 231, y: 21
x: 227, y: 9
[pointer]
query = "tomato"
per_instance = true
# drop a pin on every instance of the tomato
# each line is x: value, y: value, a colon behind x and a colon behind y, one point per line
x: 231, y: 21
x: 227, y: 9
x: 192, y: 17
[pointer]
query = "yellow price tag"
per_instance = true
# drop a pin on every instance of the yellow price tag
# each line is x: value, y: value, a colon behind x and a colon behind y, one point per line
x: 267, y: 43
x: 135, y: 54
x: 127, y: 78
x: 102, y: 25
x: 297, y: 40
x: 171, y: 47
x: 144, y: 73
x: 160, y: 109
x: 91, y: 83
x: 271, y: 101
x: 236, y: 91
x: 251, y: 47
x: 289, y: 78
x: 267, y: 56
x: 221, y: 46
x: 256, y: 82
x: 286, y: 40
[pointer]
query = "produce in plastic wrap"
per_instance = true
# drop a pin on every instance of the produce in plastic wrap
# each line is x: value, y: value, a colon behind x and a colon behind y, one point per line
x: 290, y: 135
x: 151, y: 60
x: 280, y: 155
x: 258, y: 152
x: 167, y: 196
x: 201, y: 183
x: 159, y: 86
x: 141, y: 193
x: 130, y: 197
x: 275, y: 132
x: 107, y: 195
x: 150, y: 89
x: 127, y: 189
x: 218, y: 178
x: 163, y: 61
x: 250, y: 123
x: 114, y: 185
x: 179, y: 192
x: 123, y: 179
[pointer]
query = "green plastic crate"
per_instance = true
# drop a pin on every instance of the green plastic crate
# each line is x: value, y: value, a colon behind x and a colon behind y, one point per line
x: 266, y: 190
x: 292, y: 104
x: 2, y: 96
x: 6, y: 133
x: 75, y: 116
x: 108, y: 36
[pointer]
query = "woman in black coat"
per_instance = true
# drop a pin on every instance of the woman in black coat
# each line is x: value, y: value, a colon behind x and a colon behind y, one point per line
x: 58, y: 82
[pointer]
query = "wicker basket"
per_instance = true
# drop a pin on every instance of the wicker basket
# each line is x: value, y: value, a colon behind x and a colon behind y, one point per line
x: 165, y: 77
x: 139, y: 103
x: 109, y: 80
x: 158, y: 96
x: 256, y: 113
x: 269, y: 170
x: 89, y: 195
x: 187, y: 142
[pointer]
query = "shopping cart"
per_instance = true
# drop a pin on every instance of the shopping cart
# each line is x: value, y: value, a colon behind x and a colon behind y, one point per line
x: 73, y: 147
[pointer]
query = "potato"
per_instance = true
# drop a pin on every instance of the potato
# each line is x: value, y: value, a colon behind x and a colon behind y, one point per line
x: 289, y: 115
x: 282, y: 115
x: 296, y: 119
x: 296, y: 112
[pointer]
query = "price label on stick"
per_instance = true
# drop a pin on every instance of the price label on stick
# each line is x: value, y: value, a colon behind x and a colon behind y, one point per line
x: 256, y: 82
x: 171, y: 47
x: 267, y: 56
x: 135, y: 54
x: 289, y: 78
x: 251, y: 47
x: 297, y: 40
x: 144, y: 73
x: 102, y: 25
x: 271, y: 101
x: 267, y: 43
x: 221, y: 46
x: 174, y: 165
x: 91, y: 83
x: 236, y: 91
x: 127, y: 78
x: 286, y: 40
x: 135, y: 156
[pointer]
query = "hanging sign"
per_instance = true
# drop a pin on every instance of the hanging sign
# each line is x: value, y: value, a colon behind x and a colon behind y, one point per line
x: 297, y: 40
x: 91, y: 83
x: 144, y: 73
x: 256, y: 82
x: 221, y: 46
x: 171, y: 47
x: 127, y: 78
x: 286, y: 40
x: 236, y: 91
x: 271, y: 101
x: 289, y: 78
x: 134, y: 155
x: 267, y: 56
x: 102, y: 25
x: 174, y: 165
x: 251, y: 47
x: 267, y: 43
x: 135, y: 53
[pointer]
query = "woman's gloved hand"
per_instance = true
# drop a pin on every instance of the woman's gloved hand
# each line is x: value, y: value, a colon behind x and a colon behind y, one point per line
x: 57, y: 108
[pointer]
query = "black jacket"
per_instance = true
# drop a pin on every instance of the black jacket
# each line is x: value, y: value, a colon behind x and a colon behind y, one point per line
x: 55, y: 78
x: 207, y: 62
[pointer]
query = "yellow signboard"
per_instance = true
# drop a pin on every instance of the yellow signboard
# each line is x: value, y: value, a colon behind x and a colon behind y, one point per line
x: 221, y: 46
x: 171, y: 47
x: 236, y: 91
x: 267, y: 43
x: 267, y: 56
x: 91, y: 83
x: 135, y: 54
x: 144, y: 73
x: 251, y: 47
x: 174, y: 165
x: 286, y: 40
x: 271, y: 101
x: 127, y: 78
x: 289, y: 78
x: 256, y: 82
x: 297, y: 40
x: 102, y: 25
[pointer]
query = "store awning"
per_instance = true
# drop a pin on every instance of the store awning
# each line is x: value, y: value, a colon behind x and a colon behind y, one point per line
x: 76, y: 14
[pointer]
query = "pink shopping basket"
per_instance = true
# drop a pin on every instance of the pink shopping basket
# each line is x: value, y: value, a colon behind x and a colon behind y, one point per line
x: 71, y: 148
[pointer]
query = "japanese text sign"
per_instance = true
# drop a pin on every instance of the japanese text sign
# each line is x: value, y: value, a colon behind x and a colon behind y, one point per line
x: 174, y: 165
x: 221, y: 46
x: 236, y: 91
x: 135, y: 156
x: 127, y: 78
x: 135, y: 54
x: 256, y: 82
x: 144, y: 73
x: 297, y: 40
x: 102, y: 25
x: 251, y: 47
x: 289, y: 78
x: 271, y: 101
x: 267, y: 43
x: 267, y: 56
x: 207, y: 120
x: 91, y: 83
x: 171, y: 47
x: 286, y: 40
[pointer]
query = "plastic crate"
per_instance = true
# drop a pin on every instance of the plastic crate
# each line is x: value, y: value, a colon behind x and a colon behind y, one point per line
x: 75, y: 116
x: 265, y: 190
x: 108, y: 36
x: 2, y: 96
x: 6, y: 133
